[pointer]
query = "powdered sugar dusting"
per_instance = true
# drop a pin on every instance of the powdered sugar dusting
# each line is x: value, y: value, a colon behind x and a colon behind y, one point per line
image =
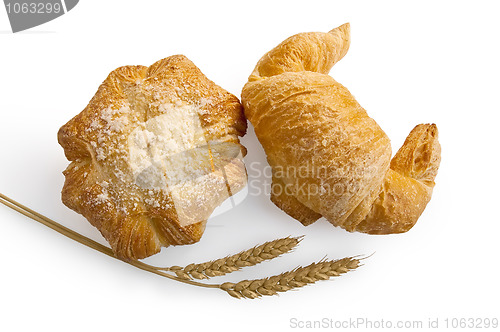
x: 149, y: 151
x: 168, y: 148
x: 103, y: 197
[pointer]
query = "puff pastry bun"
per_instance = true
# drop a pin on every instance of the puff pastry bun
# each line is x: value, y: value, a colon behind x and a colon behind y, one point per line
x: 152, y: 155
x: 329, y: 158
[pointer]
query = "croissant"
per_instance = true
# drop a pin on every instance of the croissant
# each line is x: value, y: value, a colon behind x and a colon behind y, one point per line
x: 328, y: 157
x: 152, y: 155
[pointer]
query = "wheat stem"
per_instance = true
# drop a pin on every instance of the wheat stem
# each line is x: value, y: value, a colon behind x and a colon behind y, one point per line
x: 251, y: 289
x: 88, y: 242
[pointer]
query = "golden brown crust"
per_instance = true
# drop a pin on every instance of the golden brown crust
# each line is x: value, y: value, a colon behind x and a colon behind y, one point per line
x: 143, y: 182
x: 285, y: 200
x: 408, y: 184
x: 329, y: 156
x: 310, y: 51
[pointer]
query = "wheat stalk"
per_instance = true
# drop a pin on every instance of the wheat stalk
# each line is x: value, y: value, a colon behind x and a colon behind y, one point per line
x: 9, y: 202
x: 223, y: 266
x: 251, y: 289
x: 286, y: 281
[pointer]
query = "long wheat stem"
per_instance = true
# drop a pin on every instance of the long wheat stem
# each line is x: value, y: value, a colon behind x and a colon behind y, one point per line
x: 298, y: 277
x: 89, y: 242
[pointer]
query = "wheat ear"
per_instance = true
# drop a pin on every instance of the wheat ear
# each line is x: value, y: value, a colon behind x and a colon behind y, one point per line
x: 286, y: 281
x: 223, y: 266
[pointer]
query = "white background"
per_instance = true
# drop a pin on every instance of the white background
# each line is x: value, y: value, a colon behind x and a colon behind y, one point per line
x: 409, y: 63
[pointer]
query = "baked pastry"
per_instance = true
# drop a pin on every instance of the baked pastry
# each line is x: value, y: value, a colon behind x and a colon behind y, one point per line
x: 152, y: 155
x: 328, y: 157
